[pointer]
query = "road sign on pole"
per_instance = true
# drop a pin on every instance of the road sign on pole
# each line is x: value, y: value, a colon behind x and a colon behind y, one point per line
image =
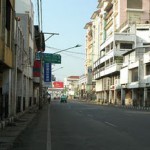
x: 49, y: 58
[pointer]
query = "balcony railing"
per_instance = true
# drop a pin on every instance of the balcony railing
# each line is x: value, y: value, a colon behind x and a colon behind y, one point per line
x: 104, y: 71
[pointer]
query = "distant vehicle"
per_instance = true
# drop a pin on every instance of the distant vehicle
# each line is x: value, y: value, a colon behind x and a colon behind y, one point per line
x: 63, y: 99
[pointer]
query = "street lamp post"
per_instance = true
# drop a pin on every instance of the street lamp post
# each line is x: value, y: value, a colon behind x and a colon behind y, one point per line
x: 41, y: 68
x: 42, y: 57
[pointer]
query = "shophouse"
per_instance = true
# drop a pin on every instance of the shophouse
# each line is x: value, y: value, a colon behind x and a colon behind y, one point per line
x: 134, y: 74
x: 7, y: 19
x: 118, y: 33
x: 89, y: 56
x: 24, y: 82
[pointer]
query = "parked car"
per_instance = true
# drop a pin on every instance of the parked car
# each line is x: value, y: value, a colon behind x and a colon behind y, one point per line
x: 63, y: 99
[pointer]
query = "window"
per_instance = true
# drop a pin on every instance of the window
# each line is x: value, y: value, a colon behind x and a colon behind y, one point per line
x: 8, y: 22
x: 134, y: 4
x: 148, y: 69
x: 8, y: 14
x: 125, y: 46
x: 0, y: 6
x: 134, y: 75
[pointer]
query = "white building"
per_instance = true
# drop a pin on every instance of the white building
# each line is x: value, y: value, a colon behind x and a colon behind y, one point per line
x: 24, y: 82
x: 120, y: 29
x: 71, y: 86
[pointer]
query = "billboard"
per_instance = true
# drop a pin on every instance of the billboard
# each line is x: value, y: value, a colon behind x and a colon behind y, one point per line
x: 57, y: 84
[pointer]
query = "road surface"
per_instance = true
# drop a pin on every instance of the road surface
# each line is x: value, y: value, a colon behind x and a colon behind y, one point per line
x: 80, y: 126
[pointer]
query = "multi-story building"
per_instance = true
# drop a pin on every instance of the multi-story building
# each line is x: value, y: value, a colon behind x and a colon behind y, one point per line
x: 71, y: 86
x: 82, y: 86
x: 91, y: 55
x: 7, y: 19
x: 119, y: 31
x: 24, y: 79
x: 134, y: 75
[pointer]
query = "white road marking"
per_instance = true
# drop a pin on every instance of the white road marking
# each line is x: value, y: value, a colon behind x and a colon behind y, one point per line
x: 48, y: 147
x: 110, y: 124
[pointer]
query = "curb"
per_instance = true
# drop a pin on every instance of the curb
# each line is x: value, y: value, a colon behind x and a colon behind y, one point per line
x: 14, y: 126
x: 10, y: 120
x: 121, y: 106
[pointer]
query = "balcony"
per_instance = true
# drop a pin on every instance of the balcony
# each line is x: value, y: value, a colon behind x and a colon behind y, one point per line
x: 119, y: 37
x: 125, y: 37
x: 105, y: 71
x: 5, y: 54
x: 107, y: 56
x: 111, y: 69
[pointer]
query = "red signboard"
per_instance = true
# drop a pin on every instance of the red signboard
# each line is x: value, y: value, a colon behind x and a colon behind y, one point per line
x: 58, y: 84
x: 36, y: 68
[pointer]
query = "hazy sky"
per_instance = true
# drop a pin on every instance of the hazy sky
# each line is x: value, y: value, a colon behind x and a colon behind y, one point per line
x: 68, y: 18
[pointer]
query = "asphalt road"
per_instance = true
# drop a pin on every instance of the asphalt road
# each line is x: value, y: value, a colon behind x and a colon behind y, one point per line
x: 81, y: 126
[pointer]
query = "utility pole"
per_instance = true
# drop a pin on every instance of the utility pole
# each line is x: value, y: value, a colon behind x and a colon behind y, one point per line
x: 41, y: 65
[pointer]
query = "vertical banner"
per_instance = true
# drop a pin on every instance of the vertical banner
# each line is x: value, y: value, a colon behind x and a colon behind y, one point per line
x: 37, y: 68
x: 47, y: 72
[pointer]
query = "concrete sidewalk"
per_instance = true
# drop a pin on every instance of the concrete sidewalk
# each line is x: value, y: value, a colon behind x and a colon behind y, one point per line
x: 13, y: 129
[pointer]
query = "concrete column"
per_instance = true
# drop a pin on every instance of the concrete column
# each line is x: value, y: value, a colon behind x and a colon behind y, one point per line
x: 10, y: 94
x: 133, y: 97
x: 145, y: 96
x: 27, y: 92
x: 22, y: 92
x: 110, y: 96
x: 123, y: 96
x: 115, y: 97
x: 9, y: 101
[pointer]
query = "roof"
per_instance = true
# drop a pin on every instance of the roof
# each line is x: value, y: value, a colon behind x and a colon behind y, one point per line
x: 88, y: 24
x: 74, y: 77
x: 95, y: 14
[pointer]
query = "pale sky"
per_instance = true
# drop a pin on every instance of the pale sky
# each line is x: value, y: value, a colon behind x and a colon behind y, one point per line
x: 68, y: 18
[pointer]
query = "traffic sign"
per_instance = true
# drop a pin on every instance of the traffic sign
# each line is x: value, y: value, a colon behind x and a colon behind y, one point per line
x: 52, y: 58
x: 49, y: 58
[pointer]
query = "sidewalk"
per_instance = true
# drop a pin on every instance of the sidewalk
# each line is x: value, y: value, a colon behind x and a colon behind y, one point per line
x: 139, y: 108
x: 14, y: 129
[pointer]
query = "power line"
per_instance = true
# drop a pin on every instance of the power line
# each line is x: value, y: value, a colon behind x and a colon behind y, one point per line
x: 80, y: 53
x: 74, y: 56
x: 41, y: 14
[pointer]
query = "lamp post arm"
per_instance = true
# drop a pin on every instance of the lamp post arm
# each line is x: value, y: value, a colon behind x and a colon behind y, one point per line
x: 57, y: 69
x: 67, y: 49
x: 52, y: 34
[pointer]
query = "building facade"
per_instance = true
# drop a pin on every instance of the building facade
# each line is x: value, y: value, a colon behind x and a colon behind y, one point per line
x: 7, y: 19
x: 119, y: 26
x: 71, y: 86
x: 24, y: 77
x: 16, y: 57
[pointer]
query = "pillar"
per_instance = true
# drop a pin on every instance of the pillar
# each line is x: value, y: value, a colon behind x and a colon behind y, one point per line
x: 123, y: 96
x: 145, y: 97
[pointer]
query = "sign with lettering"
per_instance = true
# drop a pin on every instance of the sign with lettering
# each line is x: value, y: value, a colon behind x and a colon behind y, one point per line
x: 47, y: 72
